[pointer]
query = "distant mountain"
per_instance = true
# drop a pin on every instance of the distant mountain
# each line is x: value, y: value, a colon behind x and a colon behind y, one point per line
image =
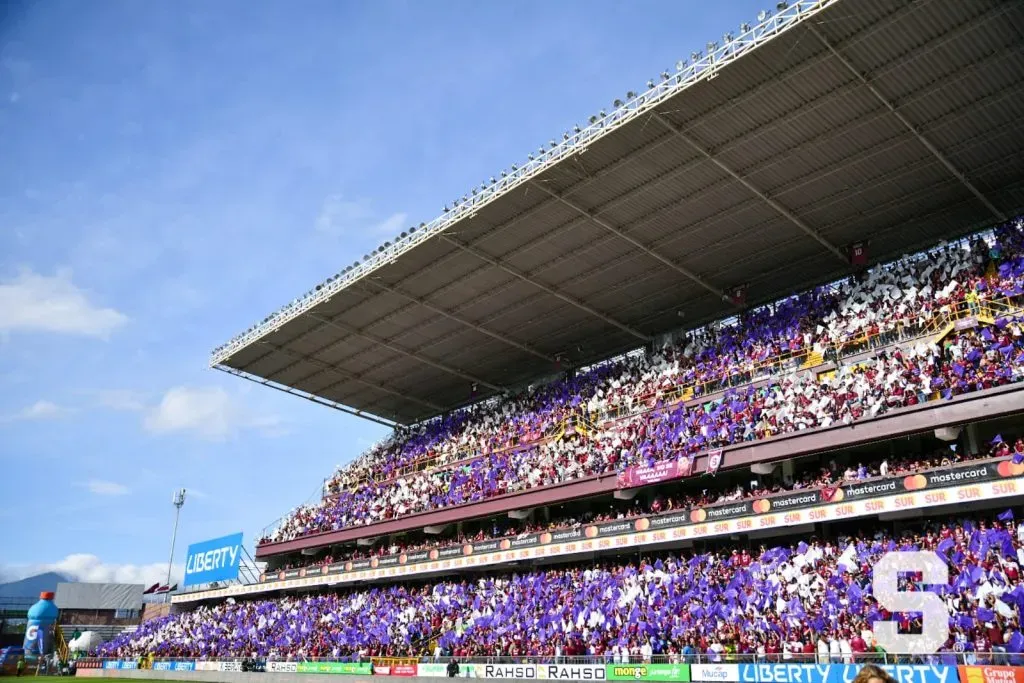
x: 32, y: 586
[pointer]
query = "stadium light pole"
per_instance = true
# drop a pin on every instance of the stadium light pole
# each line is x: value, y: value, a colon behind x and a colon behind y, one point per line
x: 177, y: 500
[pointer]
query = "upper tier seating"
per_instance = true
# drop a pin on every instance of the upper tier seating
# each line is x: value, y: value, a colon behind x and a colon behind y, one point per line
x: 507, y: 446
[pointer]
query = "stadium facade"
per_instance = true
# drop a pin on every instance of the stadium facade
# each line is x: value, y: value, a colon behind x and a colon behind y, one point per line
x: 686, y: 328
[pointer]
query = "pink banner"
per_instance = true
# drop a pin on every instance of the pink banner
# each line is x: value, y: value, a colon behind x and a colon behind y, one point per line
x: 662, y: 471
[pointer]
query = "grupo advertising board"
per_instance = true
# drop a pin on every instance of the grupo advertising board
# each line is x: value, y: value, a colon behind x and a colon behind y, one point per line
x: 215, y: 560
x: 991, y: 674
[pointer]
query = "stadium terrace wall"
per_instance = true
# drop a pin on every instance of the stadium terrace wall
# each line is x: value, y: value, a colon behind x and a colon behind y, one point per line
x: 982, y: 405
x: 976, y: 481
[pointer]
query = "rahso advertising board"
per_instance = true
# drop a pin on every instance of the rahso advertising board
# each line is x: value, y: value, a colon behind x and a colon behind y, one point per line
x: 214, y: 560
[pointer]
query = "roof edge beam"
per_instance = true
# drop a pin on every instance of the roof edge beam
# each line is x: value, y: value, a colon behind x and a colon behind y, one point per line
x: 914, y: 130
x: 550, y: 290
x: 327, y: 403
x: 459, y: 319
x: 593, y: 218
x: 779, y: 208
x: 405, y: 352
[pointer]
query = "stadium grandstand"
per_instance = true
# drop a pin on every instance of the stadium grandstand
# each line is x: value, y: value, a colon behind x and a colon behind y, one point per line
x: 670, y: 388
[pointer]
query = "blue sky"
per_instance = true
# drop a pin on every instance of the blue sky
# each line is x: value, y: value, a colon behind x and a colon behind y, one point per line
x: 173, y: 172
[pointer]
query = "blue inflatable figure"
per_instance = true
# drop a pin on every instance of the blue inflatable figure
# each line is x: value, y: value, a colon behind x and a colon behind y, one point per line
x: 39, y: 630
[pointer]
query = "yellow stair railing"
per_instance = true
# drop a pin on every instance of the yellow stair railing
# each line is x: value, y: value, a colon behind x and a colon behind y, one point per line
x: 60, y: 643
x: 814, y: 359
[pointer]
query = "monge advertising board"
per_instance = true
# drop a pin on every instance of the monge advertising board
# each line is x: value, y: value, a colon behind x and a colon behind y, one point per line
x: 215, y: 560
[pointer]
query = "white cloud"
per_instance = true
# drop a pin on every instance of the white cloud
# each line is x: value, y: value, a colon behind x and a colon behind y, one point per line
x: 40, y: 410
x: 392, y: 225
x: 89, y: 568
x: 208, y: 412
x: 122, y: 399
x: 101, y: 487
x: 340, y: 216
x: 38, y: 303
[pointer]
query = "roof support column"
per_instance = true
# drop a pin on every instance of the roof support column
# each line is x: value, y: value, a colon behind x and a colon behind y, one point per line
x: 779, y: 208
x: 539, y: 285
x: 914, y: 130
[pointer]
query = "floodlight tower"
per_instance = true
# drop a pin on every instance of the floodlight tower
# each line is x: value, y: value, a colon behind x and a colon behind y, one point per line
x: 177, y: 500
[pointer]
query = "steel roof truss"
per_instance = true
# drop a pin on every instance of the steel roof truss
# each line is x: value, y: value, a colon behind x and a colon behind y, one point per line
x: 333, y: 322
x: 593, y: 218
x: 550, y: 290
x: 914, y: 130
x: 779, y: 208
x: 459, y: 319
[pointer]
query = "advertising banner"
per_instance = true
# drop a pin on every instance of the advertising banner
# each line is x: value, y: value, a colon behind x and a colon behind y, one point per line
x: 571, y: 672
x: 727, y: 673
x: 214, y: 560
x: 179, y: 665
x: 210, y: 666
x: 784, y: 673
x: 440, y: 670
x: 89, y: 673
x: 404, y: 669
x: 991, y: 674
x: 235, y: 666
x: 633, y: 477
x: 282, y: 667
x: 903, y: 673
x: 507, y: 670
x: 648, y: 672
x: 332, y: 668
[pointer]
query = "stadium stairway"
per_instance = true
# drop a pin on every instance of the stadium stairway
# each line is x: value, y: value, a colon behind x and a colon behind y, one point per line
x: 60, y: 643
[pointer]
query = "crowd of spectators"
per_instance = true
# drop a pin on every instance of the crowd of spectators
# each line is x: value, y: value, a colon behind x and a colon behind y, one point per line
x: 502, y: 446
x: 683, y: 495
x: 778, y: 603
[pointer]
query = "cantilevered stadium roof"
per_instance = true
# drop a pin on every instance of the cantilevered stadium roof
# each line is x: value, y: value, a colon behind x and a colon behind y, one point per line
x: 890, y: 122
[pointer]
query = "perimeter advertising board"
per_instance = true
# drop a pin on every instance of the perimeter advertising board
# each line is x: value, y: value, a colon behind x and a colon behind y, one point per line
x: 350, y: 668
x: 991, y: 674
x: 820, y: 673
x: 648, y: 672
x: 215, y: 560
